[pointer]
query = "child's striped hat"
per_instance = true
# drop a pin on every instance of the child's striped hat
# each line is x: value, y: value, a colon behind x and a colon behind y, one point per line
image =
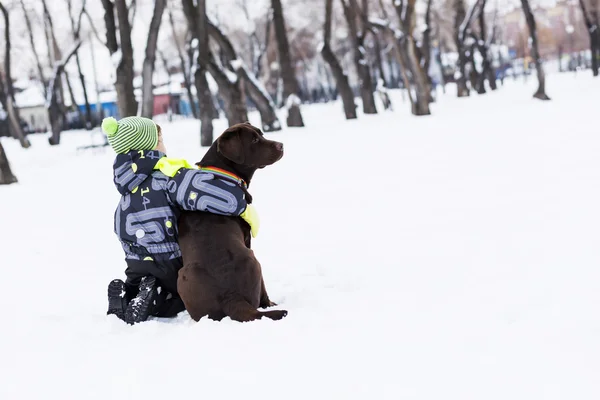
x: 130, y: 133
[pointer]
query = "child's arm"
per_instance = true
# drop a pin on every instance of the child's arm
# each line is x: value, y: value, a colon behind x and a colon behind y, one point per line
x: 194, y: 190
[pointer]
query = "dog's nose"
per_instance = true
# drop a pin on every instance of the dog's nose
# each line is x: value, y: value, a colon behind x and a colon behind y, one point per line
x: 279, y: 146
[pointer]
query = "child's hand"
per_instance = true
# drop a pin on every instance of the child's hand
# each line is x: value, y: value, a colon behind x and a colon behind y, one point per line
x: 250, y: 215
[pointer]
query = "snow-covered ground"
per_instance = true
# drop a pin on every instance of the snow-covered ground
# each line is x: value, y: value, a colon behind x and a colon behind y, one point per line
x: 447, y: 257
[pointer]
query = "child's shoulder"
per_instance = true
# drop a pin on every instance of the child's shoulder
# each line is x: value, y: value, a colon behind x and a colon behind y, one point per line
x: 171, y: 166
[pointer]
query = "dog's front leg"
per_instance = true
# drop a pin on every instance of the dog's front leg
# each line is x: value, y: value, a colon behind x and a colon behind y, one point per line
x: 265, y: 302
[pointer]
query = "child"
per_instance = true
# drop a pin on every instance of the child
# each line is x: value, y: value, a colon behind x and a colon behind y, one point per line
x: 155, y: 189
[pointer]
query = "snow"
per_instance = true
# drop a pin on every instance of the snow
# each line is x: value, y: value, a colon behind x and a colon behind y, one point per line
x: 231, y: 76
x: 236, y: 64
x: 292, y: 100
x: 116, y: 58
x: 31, y: 96
x: 446, y: 257
x: 378, y: 21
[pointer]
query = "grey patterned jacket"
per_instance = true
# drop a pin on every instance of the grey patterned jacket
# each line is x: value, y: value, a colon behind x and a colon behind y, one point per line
x: 146, y: 217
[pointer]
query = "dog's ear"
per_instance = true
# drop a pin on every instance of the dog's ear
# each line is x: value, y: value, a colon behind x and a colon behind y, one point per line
x: 230, y: 145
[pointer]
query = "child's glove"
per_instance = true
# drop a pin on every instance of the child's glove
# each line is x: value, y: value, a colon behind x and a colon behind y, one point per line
x: 251, y: 217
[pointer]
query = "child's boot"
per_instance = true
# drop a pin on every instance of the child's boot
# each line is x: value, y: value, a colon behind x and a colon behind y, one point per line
x: 117, y: 299
x: 140, y: 307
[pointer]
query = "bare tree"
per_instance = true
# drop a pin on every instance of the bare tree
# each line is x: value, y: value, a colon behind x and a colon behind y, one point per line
x: 32, y: 43
x: 53, y: 97
x: 150, y: 60
x: 75, y: 30
x: 6, y: 175
x: 396, y: 36
x: 197, y: 21
x: 541, y: 91
x: 252, y: 86
x: 356, y: 26
x: 590, y: 16
x: 9, y: 92
x: 122, y: 55
x: 426, y: 51
x: 483, y: 45
x: 187, y: 81
x: 288, y: 74
x: 339, y: 75
x: 407, y: 17
x: 382, y: 83
x: 258, y: 48
x: 459, y: 38
x: 55, y: 55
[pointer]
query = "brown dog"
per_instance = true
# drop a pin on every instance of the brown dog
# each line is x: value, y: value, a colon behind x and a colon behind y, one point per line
x: 221, y: 276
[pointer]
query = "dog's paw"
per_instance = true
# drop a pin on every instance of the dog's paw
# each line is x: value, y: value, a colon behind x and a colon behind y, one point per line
x: 267, y: 303
x: 276, y: 315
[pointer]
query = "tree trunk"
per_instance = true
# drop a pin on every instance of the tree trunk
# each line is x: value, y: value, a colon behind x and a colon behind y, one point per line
x: 461, y: 79
x: 53, y: 100
x: 382, y: 83
x: 6, y: 175
x: 150, y: 60
x: 33, y: 49
x: 88, y: 108
x: 427, y: 48
x: 73, y: 100
x: 76, y: 28
x: 407, y: 17
x: 290, y: 83
x: 252, y: 86
x: 197, y: 22
x: 111, y: 27
x: 13, y: 113
x: 401, y: 51
x: 487, y: 70
x: 357, y: 36
x: 186, y: 74
x: 56, y: 57
x: 438, y: 57
x: 261, y: 99
x: 341, y: 79
x: 541, y: 91
x: 474, y: 76
x: 592, y: 27
x: 423, y: 94
x: 124, y: 84
x: 232, y: 93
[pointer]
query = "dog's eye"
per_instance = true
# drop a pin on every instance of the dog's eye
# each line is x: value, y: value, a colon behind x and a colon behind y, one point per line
x: 255, y: 140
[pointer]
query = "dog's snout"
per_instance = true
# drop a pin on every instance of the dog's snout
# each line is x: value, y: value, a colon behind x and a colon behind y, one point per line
x: 279, y: 146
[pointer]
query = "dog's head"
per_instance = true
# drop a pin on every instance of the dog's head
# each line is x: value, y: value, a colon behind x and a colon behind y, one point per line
x: 244, y: 150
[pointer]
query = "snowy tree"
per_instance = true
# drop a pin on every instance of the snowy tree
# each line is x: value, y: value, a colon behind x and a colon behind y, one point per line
x: 6, y: 175
x: 590, y: 10
x: 121, y: 53
x: 150, y: 60
x: 197, y: 23
x: 288, y: 74
x: 535, y: 53
x: 76, y: 31
x: 330, y: 58
x: 405, y: 9
x: 7, y: 94
x: 253, y: 88
x: 358, y: 31
x: 462, y: 23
